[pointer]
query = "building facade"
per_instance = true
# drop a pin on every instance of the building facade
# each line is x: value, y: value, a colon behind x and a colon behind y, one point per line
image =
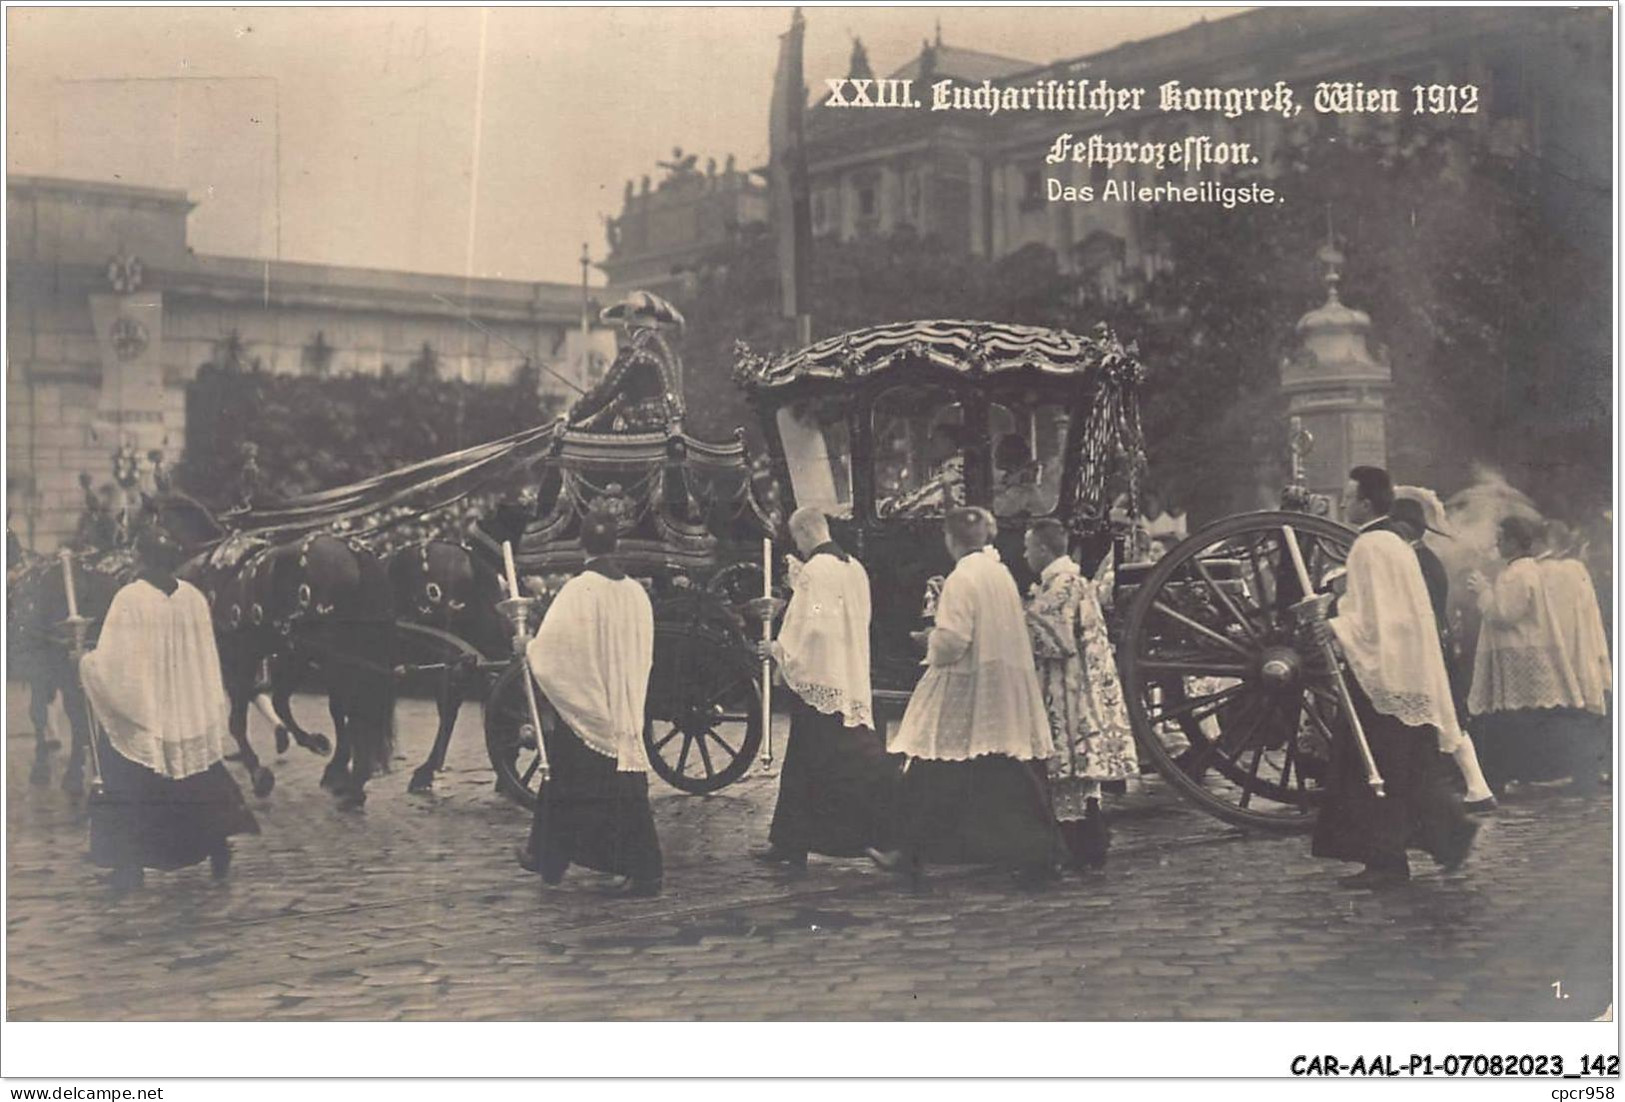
x: 111, y: 314
x: 664, y: 231
x: 979, y: 180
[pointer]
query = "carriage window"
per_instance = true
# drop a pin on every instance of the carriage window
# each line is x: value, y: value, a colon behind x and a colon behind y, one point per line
x: 1029, y: 444
x: 920, y: 443
x: 818, y: 449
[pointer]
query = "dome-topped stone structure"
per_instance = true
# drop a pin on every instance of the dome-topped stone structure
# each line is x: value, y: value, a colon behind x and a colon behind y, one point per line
x: 1336, y: 389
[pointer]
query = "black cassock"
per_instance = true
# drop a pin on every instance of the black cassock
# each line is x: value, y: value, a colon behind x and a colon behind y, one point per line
x: 990, y: 810
x: 838, y: 789
x: 592, y: 814
x: 144, y: 820
x: 1420, y: 810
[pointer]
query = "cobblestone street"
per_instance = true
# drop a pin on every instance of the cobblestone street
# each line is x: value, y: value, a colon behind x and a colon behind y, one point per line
x: 414, y: 909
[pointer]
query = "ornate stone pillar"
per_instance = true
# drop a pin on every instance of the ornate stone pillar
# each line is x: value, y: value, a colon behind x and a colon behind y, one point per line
x: 1336, y: 390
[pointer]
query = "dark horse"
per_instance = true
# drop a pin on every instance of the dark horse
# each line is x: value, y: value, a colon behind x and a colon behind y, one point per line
x: 320, y: 606
x: 39, y: 650
x: 439, y: 585
x: 446, y: 587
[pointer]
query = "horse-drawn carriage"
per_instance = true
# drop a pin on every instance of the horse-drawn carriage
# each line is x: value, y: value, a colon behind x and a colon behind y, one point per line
x: 884, y: 428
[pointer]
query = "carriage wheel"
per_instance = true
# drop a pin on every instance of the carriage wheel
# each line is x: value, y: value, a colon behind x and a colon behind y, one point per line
x: 705, y: 708
x: 1226, y: 701
x: 511, y: 739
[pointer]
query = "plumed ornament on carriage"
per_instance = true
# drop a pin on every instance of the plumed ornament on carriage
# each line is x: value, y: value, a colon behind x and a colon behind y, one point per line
x: 1120, y: 362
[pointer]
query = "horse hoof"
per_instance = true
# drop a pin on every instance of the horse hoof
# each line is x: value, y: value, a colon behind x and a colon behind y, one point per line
x: 422, y: 782
x: 336, y: 781
x: 352, y: 800
x: 281, y: 737
x: 264, y: 781
x: 319, y: 745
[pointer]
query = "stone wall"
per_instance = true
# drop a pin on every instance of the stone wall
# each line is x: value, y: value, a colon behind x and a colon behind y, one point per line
x: 287, y: 317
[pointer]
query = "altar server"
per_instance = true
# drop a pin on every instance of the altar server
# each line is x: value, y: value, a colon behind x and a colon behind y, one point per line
x: 1385, y: 627
x: 975, y: 731
x: 592, y: 657
x: 154, y: 685
x: 837, y: 790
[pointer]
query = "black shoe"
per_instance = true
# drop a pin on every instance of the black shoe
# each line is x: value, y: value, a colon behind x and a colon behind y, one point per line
x: 773, y: 855
x: 635, y: 889
x: 527, y: 860
x: 1094, y: 837
x: 1035, y: 879
x: 1375, y: 879
x: 1461, y: 846
x: 220, y: 861
x: 892, y: 860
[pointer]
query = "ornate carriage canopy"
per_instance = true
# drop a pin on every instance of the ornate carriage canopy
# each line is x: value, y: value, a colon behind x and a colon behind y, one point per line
x: 967, y: 347
x: 900, y: 420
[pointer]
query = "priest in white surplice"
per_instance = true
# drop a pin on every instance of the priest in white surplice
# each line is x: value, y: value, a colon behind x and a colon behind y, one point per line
x: 1384, y: 626
x: 1577, y: 623
x: 837, y: 791
x: 1524, y: 689
x: 975, y: 732
x: 592, y: 657
x: 153, y: 683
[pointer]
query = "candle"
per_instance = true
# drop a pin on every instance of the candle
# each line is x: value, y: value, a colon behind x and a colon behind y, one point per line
x: 67, y: 582
x: 508, y: 565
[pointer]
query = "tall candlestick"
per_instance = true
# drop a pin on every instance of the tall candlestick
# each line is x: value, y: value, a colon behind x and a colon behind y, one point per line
x: 767, y: 663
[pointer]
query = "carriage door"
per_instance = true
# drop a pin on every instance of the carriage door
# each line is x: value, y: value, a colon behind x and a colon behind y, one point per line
x: 1028, y: 438
x: 920, y: 439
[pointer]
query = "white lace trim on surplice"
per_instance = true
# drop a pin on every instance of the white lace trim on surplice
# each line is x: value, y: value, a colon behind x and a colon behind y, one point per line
x: 833, y: 702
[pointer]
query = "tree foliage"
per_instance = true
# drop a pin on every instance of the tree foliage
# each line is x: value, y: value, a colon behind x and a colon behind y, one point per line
x: 315, y: 433
x: 1494, y: 323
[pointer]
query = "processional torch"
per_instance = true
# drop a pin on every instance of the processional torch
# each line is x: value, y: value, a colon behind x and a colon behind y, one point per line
x: 765, y: 608
x: 517, y: 608
x: 767, y: 663
x: 1310, y: 608
x: 80, y: 625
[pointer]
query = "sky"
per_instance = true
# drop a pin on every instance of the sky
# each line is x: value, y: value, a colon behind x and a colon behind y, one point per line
x: 375, y: 137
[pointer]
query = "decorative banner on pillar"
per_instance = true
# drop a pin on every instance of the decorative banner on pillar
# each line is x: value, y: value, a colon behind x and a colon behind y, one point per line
x: 129, y: 336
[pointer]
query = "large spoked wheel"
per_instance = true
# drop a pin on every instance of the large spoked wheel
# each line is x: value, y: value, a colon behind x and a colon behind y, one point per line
x: 511, y: 739
x: 1227, y: 701
x: 705, y: 708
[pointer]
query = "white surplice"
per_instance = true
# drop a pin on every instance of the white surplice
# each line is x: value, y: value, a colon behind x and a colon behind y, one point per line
x: 1386, y: 628
x: 980, y: 693
x: 1519, y: 664
x: 1577, y: 624
x: 592, y: 657
x: 823, y: 645
x: 154, y: 682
